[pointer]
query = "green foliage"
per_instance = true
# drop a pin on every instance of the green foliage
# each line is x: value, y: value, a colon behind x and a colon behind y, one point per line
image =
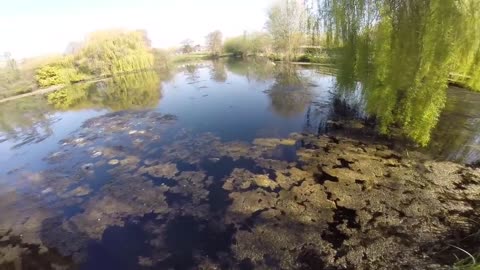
x: 469, y: 263
x: 314, y: 57
x: 238, y: 46
x: 111, y: 52
x: 192, y: 57
x: 13, y: 80
x: 105, y: 53
x: 256, y: 43
x: 466, y: 64
x: 59, y: 72
x: 402, y: 54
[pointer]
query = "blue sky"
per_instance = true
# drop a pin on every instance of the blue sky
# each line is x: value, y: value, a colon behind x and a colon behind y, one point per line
x: 35, y: 27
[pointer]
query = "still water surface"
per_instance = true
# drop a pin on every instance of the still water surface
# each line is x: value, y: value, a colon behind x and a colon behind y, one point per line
x: 233, y: 100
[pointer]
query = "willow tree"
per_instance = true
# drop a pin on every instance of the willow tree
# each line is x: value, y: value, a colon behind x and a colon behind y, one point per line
x: 402, y: 53
x: 467, y: 64
x: 116, y: 51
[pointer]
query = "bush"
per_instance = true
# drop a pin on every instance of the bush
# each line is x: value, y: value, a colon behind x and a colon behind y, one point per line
x: 255, y: 43
x: 61, y: 72
x: 237, y: 46
x: 319, y: 58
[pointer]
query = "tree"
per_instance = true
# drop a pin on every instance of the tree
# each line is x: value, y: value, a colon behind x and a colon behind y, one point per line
x: 11, y: 69
x: 187, y: 46
x: 237, y: 46
x: 402, y: 54
x: 112, y: 52
x: 215, y: 43
x: 104, y: 53
x: 62, y: 71
x: 256, y: 43
x: 287, y: 23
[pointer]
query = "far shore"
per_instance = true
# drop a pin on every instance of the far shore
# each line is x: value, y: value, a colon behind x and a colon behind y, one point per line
x: 46, y: 90
x: 40, y: 91
x: 54, y: 88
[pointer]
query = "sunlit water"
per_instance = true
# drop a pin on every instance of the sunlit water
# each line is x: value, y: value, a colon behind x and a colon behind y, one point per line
x: 191, y: 124
x: 238, y: 104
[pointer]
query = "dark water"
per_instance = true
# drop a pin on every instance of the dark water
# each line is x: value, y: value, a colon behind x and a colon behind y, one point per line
x: 130, y: 173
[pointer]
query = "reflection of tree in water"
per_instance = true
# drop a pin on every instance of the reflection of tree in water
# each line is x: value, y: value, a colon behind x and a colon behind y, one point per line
x: 218, y: 72
x: 131, y: 91
x: 252, y: 68
x: 458, y: 135
x: 191, y: 72
x: 289, y: 94
x: 25, y: 120
x: 134, y: 91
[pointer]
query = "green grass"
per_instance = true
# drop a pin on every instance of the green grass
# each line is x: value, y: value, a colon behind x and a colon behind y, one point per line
x: 469, y: 265
x: 471, y: 262
x: 24, y: 84
x: 315, y: 58
x: 183, y: 58
x: 191, y: 57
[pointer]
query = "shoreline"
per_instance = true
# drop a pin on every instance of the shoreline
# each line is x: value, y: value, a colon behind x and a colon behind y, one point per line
x: 34, y: 93
x: 54, y: 88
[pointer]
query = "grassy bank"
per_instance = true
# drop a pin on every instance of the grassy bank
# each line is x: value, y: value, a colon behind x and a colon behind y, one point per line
x: 184, y: 58
x: 21, y: 78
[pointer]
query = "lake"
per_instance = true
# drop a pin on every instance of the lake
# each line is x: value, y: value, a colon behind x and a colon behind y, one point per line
x: 149, y: 170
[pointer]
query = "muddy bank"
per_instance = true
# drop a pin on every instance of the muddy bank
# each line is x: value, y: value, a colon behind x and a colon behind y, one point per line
x: 132, y: 191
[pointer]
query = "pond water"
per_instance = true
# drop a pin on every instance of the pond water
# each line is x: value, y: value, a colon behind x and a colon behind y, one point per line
x: 135, y: 171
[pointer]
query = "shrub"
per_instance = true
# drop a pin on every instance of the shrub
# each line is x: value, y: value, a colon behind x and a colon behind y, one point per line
x: 60, y: 72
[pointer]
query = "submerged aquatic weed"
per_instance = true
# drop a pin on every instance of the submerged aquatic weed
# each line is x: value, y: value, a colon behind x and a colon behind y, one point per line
x: 467, y: 264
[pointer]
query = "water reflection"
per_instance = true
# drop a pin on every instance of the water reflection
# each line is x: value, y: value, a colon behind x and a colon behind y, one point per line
x: 256, y: 69
x: 218, y: 72
x: 290, y: 93
x: 191, y: 70
x: 457, y: 137
x: 131, y: 91
x: 26, y: 120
